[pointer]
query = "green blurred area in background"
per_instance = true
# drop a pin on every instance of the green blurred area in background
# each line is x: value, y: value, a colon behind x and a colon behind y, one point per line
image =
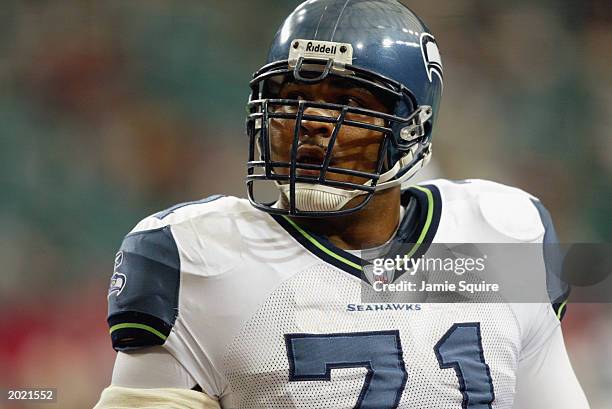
x: 113, y: 110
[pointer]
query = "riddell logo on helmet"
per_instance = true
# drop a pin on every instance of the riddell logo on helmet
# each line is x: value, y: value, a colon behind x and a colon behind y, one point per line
x: 340, y: 53
x: 320, y: 48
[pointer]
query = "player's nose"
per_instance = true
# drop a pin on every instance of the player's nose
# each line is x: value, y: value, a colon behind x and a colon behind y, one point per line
x: 313, y: 128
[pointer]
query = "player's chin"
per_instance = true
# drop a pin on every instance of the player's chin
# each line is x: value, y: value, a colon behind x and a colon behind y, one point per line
x: 309, y: 173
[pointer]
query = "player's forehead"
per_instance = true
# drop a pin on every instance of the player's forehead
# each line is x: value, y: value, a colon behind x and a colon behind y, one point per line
x: 330, y: 88
x: 329, y: 84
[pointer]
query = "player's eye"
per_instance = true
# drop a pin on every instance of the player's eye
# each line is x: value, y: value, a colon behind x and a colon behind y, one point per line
x: 295, y: 95
x: 350, y: 101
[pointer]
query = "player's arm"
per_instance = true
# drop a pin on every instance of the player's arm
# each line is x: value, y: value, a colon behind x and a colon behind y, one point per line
x: 115, y: 397
x: 143, y: 304
x: 152, y: 378
x: 546, y: 379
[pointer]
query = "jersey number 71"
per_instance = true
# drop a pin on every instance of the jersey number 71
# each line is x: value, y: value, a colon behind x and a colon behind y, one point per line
x: 313, y: 356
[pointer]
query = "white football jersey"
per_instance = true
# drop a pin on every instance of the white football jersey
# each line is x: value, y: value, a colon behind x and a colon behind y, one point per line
x: 263, y: 314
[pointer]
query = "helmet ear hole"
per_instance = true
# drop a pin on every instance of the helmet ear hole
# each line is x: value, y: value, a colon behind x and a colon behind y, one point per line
x: 403, y: 109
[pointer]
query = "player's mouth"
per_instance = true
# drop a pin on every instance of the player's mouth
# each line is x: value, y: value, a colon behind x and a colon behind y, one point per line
x: 310, y: 155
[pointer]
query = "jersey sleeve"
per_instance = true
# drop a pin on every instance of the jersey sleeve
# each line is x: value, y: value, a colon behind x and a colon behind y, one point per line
x: 144, y: 293
x: 148, y: 368
x: 546, y: 379
x: 542, y: 320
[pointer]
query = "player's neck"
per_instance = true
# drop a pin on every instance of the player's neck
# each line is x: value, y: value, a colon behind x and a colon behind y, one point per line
x: 368, y: 228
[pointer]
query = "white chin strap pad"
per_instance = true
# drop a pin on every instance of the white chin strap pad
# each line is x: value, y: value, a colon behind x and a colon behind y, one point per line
x: 321, y: 198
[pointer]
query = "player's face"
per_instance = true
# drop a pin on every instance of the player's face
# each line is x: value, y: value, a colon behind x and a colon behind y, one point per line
x: 354, y: 149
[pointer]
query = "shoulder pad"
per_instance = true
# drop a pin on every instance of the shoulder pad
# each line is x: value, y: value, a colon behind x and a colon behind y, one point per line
x: 181, y: 212
x: 509, y: 211
x: 144, y: 291
x: 518, y: 216
x: 173, y: 209
x: 184, y: 212
x: 512, y: 215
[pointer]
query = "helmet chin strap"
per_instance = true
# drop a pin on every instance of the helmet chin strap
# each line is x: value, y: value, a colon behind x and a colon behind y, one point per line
x: 320, y: 198
x: 312, y: 197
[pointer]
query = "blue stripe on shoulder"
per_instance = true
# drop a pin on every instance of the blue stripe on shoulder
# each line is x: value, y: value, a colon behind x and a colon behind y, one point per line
x: 164, y: 213
x: 558, y: 290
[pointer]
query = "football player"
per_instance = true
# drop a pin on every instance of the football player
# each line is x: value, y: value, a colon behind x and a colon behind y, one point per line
x: 234, y: 303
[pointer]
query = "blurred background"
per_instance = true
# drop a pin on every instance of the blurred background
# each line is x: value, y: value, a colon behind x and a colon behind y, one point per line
x: 110, y: 111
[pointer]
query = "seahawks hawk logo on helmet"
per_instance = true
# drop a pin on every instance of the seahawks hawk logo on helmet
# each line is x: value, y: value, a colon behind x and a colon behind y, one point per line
x: 431, y: 57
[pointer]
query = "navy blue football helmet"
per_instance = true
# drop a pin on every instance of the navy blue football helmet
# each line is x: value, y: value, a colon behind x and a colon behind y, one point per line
x: 380, y: 45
